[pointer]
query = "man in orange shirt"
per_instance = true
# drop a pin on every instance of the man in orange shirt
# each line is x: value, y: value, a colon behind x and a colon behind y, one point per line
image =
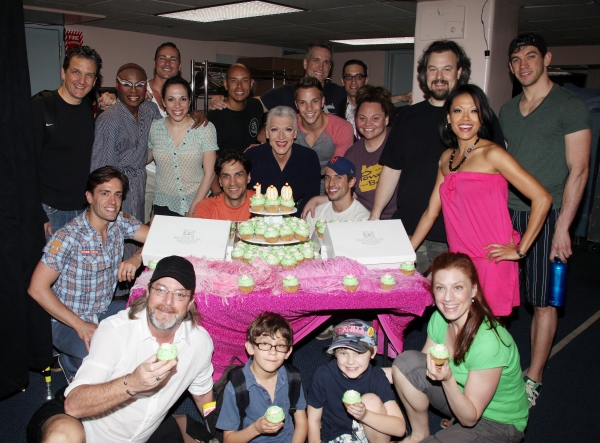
x: 233, y: 170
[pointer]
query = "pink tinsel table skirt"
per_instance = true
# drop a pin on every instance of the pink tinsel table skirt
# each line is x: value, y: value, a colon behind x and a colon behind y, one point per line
x: 226, y: 312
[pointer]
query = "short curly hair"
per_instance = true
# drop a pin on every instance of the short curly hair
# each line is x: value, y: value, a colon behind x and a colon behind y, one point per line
x: 83, y: 52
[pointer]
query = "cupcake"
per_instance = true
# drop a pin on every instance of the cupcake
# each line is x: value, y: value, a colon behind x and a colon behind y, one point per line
x: 274, y: 414
x: 257, y: 203
x: 272, y: 259
x: 407, y: 267
x: 152, y: 264
x: 387, y: 281
x: 320, y: 227
x: 259, y: 230
x: 286, y: 233
x: 287, y: 205
x: 301, y: 233
x: 298, y: 256
x: 439, y: 354
x: 237, y: 254
x: 245, y: 284
x: 248, y: 256
x: 271, y: 235
x: 290, y: 284
x: 167, y: 351
x: 288, y: 262
x: 350, y: 282
x: 308, y: 254
x: 246, y: 231
x: 351, y: 398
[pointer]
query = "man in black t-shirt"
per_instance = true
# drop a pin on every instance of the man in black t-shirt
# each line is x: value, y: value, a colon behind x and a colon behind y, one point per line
x: 239, y: 126
x: 412, y: 153
x: 64, y: 136
x: 317, y: 63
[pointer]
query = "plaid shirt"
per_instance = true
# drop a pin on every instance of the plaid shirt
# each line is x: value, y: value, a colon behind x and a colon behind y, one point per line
x: 88, y: 269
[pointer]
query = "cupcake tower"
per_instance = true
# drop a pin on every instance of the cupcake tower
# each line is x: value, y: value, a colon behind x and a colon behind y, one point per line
x: 271, y: 201
x: 287, y: 257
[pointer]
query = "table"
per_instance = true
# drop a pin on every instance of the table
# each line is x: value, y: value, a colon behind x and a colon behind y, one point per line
x: 226, y: 313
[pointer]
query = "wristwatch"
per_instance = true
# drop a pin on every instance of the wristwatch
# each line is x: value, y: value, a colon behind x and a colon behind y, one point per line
x: 520, y: 254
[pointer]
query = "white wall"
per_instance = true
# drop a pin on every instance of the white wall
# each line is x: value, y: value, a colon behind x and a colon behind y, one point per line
x: 119, y: 47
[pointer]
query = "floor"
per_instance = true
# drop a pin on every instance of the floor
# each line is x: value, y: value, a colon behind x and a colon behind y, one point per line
x: 565, y: 409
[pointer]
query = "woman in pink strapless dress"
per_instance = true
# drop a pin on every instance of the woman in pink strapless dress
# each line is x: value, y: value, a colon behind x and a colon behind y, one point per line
x: 474, y: 200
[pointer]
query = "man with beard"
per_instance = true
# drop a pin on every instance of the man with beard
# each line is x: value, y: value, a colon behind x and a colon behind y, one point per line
x: 76, y: 277
x: 412, y: 153
x: 122, y: 392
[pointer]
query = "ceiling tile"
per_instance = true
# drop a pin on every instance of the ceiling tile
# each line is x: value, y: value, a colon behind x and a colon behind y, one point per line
x: 310, y: 18
x: 395, y: 24
x: 375, y: 11
x: 527, y: 27
x: 316, y: 5
x: 553, y: 25
x: 579, y: 32
x: 538, y: 3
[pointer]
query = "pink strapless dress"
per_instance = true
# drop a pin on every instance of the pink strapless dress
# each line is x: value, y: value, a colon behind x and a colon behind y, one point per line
x: 475, y: 208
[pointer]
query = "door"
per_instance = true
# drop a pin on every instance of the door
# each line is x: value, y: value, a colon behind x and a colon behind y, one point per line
x: 45, y: 55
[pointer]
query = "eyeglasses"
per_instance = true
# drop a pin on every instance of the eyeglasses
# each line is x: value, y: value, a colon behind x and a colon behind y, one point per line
x: 349, y: 77
x: 162, y: 291
x: 267, y: 347
x: 130, y: 85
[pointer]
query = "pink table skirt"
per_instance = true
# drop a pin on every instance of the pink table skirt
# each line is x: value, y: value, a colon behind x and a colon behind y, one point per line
x: 226, y: 318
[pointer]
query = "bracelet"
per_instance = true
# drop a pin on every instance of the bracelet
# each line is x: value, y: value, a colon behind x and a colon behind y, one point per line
x: 520, y: 254
x: 125, y: 383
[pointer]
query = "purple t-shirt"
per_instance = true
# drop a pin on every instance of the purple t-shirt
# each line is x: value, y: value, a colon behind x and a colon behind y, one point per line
x: 368, y: 170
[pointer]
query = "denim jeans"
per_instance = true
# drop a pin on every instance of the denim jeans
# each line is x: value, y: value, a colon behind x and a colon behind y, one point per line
x: 59, y: 218
x: 71, y: 347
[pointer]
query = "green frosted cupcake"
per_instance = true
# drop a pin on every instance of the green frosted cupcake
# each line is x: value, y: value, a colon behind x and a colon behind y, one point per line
x: 288, y: 262
x: 245, y: 284
x: 439, y: 354
x: 350, y: 282
x: 351, y: 397
x: 387, y: 281
x: 272, y: 205
x: 246, y: 230
x: 407, y: 268
x: 167, y: 351
x: 271, y: 235
x: 286, y: 233
x: 152, y: 264
x: 291, y: 284
x: 248, y: 256
x: 301, y: 232
x: 257, y: 203
x: 272, y: 259
x: 237, y: 254
x: 259, y: 230
x: 274, y: 414
x: 287, y: 205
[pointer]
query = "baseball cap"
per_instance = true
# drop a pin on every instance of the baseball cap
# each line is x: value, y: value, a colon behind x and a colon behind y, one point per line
x: 342, y: 166
x: 354, y: 334
x: 178, y: 268
x: 528, y: 39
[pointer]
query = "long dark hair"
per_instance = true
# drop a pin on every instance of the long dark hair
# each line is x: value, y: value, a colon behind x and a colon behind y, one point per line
x: 479, y: 311
x: 484, y: 110
x: 462, y: 62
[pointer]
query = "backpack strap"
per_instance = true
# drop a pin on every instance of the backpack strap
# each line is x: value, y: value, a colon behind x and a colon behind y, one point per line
x: 294, y: 387
x: 242, y: 396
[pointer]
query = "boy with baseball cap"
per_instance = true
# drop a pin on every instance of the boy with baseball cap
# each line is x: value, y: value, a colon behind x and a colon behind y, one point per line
x: 377, y: 416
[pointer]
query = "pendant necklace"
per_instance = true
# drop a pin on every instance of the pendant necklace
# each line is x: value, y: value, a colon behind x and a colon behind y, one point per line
x: 463, y: 159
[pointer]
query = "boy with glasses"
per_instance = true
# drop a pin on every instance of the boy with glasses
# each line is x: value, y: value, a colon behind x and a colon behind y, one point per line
x: 269, y: 341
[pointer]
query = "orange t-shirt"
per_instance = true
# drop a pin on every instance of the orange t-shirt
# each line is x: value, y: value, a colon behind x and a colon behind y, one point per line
x: 217, y: 209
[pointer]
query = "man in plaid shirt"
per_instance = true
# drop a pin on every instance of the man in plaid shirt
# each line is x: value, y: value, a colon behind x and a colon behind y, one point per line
x: 77, y: 275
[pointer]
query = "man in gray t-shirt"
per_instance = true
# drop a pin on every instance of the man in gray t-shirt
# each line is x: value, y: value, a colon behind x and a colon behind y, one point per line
x: 547, y: 130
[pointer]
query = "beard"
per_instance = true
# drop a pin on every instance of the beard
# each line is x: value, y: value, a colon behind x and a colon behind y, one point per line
x: 165, y: 325
x: 440, y: 94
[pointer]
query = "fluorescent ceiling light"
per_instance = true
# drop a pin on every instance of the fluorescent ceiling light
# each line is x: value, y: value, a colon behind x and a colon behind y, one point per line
x: 376, y: 41
x: 231, y: 12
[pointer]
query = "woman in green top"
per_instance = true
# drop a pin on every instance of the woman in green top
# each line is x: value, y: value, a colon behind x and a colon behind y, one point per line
x: 185, y: 157
x: 481, y: 384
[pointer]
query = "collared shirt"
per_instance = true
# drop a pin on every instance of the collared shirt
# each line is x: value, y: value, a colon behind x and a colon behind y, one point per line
x: 118, y: 347
x: 179, y: 169
x: 122, y: 141
x: 88, y: 268
x: 260, y: 400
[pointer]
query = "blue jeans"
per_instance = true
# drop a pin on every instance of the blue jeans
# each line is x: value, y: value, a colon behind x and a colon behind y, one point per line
x: 71, y: 347
x: 59, y: 218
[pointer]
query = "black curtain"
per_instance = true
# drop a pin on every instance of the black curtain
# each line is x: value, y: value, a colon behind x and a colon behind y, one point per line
x: 24, y: 326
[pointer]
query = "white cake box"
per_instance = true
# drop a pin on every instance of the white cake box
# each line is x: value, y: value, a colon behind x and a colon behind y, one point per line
x: 376, y: 244
x: 185, y: 236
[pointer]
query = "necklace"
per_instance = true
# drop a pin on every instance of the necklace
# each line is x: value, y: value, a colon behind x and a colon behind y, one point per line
x: 463, y: 159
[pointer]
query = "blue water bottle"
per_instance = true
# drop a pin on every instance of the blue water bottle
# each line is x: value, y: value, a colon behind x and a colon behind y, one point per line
x: 557, y: 282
